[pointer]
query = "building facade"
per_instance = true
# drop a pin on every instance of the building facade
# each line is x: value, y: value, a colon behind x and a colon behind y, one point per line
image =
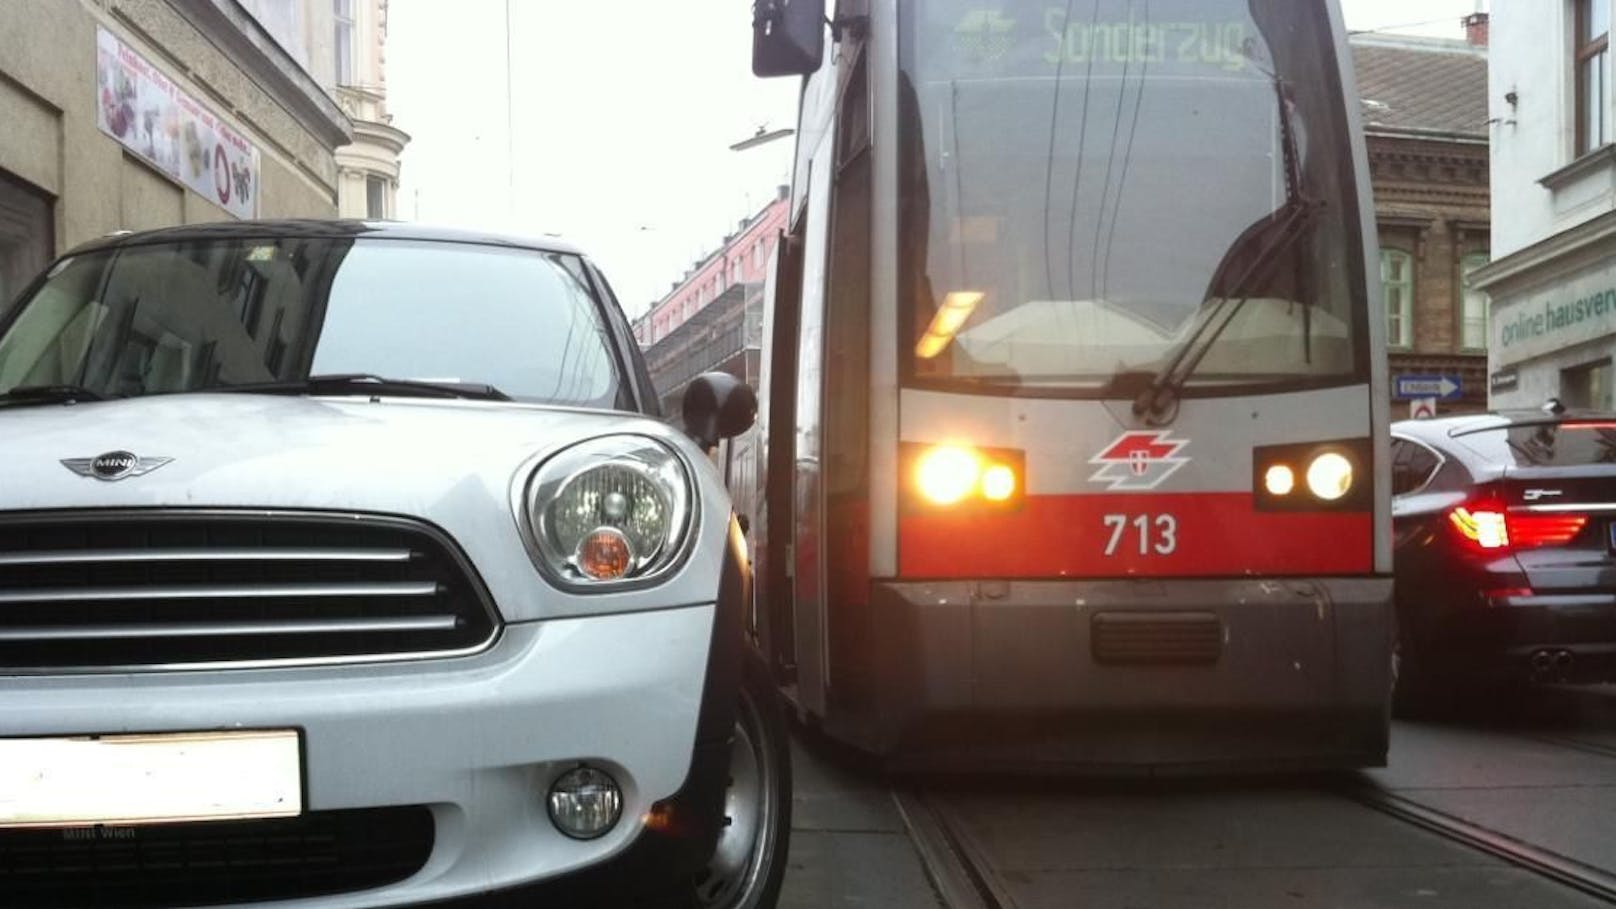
x: 1424, y: 110
x: 368, y: 169
x: 133, y: 114
x: 1553, y: 276
x: 742, y: 259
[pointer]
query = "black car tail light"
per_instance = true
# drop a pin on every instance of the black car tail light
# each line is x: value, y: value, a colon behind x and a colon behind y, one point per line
x: 1485, y: 525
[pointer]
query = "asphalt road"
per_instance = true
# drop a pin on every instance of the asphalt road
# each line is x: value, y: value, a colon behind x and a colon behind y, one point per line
x: 1512, y: 805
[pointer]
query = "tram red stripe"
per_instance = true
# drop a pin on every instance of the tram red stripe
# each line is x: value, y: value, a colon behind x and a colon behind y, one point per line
x: 1068, y: 535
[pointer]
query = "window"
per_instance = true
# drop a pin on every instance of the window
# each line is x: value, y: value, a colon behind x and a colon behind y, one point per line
x: 1472, y: 305
x: 375, y: 198
x: 757, y: 256
x: 1587, y: 387
x: 344, y: 16
x: 1412, y: 466
x: 1592, y: 74
x: 25, y: 237
x: 1397, y: 283
x: 735, y: 272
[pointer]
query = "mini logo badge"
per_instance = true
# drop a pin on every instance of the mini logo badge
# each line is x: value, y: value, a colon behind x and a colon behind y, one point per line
x: 1139, y: 459
x: 114, y: 465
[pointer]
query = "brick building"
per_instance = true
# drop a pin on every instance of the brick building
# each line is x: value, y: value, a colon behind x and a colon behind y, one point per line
x: 1425, y: 119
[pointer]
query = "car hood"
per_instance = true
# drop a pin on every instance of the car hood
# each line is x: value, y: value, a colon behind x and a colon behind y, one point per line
x: 239, y: 450
x: 455, y: 464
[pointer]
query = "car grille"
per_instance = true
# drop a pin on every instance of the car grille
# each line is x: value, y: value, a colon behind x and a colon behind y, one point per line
x: 216, y: 863
x: 1156, y: 638
x: 91, y: 591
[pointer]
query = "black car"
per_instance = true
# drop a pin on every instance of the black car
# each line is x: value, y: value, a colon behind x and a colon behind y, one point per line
x: 1505, y: 529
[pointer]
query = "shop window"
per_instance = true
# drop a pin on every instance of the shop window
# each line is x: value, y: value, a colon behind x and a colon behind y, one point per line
x: 1472, y: 305
x: 1397, y: 285
x: 25, y: 236
x: 1587, y: 387
x: 1591, y: 74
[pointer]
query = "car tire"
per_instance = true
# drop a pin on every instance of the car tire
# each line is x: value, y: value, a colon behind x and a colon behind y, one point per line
x: 749, y: 863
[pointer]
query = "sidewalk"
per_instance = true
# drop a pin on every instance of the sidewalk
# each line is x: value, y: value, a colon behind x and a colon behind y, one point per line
x: 848, y: 843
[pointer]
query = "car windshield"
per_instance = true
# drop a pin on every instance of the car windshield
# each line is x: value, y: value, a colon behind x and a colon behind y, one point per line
x: 1063, y: 224
x: 176, y: 317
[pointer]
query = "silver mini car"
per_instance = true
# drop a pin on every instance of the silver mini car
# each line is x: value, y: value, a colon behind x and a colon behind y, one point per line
x: 349, y: 564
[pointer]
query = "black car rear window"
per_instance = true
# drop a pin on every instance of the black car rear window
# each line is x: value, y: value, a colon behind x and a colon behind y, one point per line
x: 1572, y: 443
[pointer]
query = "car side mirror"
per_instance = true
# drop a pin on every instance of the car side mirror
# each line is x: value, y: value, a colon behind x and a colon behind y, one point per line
x: 718, y: 406
x: 788, y: 37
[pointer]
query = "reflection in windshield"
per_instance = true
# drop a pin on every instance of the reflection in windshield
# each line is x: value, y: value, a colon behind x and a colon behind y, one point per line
x: 165, y: 318
x: 1101, y: 180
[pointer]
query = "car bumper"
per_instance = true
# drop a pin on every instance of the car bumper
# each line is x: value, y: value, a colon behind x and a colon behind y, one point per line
x: 476, y: 740
x: 1290, y: 673
x: 1509, y: 633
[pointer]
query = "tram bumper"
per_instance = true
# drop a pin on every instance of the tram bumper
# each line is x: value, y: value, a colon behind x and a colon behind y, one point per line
x: 1152, y: 675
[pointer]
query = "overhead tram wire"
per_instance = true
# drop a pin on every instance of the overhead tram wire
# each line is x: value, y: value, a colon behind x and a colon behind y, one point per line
x: 1077, y: 179
x: 1110, y: 163
x: 1049, y: 158
x: 1101, y: 277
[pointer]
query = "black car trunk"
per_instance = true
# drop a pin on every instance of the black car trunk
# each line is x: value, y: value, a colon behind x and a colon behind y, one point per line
x: 1561, y: 525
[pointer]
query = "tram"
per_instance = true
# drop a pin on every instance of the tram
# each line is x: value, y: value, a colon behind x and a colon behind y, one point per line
x: 1073, y: 430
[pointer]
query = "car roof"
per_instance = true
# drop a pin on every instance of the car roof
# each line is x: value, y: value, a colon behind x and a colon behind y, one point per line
x: 1438, y: 427
x: 298, y: 228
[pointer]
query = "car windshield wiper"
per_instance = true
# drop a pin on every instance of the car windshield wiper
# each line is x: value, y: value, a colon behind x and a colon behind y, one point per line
x: 359, y: 383
x: 1157, y: 403
x: 49, y: 394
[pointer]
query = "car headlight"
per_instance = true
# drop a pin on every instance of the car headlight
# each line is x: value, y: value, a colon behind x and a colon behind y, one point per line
x: 609, y: 511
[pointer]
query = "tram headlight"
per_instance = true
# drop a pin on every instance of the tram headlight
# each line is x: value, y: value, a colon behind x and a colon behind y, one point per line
x: 1329, y: 476
x: 1325, y: 475
x: 947, y: 474
x: 958, y: 475
x: 1279, y: 479
x: 609, y: 511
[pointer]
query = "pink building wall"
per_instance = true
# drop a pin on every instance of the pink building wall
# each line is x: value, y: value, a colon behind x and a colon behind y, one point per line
x: 742, y: 260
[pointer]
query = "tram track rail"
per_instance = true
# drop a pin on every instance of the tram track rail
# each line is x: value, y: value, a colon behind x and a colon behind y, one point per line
x: 1569, y: 872
x: 964, y: 878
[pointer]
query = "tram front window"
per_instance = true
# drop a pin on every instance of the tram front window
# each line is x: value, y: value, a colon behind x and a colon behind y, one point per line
x: 1087, y: 185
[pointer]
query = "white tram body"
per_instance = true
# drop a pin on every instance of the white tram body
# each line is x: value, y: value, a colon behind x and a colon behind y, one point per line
x: 1071, y: 451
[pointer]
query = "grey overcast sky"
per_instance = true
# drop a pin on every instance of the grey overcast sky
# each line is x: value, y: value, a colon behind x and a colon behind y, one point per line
x: 620, y: 118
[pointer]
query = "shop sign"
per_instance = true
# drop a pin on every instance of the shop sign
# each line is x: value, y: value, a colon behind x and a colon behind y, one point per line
x: 1579, y: 309
x: 149, y: 115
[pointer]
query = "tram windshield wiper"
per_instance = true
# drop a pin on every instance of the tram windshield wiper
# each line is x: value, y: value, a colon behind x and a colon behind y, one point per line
x: 358, y: 383
x: 48, y: 394
x: 1157, y: 402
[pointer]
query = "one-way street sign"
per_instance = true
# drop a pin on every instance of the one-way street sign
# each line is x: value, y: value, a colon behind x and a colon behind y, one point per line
x: 1443, y: 387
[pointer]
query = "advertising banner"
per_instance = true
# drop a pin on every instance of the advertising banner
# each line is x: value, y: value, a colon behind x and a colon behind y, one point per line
x: 149, y: 115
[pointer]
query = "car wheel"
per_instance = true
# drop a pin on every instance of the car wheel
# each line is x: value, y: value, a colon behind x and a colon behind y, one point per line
x: 749, y: 862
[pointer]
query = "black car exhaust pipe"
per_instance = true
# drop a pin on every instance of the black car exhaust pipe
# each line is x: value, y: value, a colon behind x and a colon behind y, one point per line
x: 1542, y: 665
x: 1565, y: 665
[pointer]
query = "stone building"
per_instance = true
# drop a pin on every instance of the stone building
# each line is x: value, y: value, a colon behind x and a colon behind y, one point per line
x: 1425, y: 119
x: 132, y: 114
x: 368, y: 169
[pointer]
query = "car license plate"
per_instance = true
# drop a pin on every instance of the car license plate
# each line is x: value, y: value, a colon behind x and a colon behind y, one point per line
x: 150, y: 779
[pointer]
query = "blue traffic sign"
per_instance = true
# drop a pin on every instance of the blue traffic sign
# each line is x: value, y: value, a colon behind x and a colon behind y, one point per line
x: 1443, y: 387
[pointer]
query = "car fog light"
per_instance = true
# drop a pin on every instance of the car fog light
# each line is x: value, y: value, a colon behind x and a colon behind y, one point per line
x: 585, y: 803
